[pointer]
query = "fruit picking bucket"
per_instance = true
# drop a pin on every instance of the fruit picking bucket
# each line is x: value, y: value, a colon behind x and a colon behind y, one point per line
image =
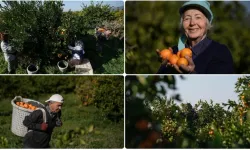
x: 19, y: 113
x: 32, y: 69
x: 62, y: 65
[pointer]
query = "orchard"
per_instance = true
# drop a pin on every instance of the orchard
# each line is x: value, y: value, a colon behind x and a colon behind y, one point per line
x: 40, y: 32
x: 163, y: 123
x: 92, y: 112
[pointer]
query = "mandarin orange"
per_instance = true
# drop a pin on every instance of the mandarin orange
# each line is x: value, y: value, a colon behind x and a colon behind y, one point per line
x: 182, y: 61
x: 166, y: 54
x: 173, y: 59
x: 186, y: 52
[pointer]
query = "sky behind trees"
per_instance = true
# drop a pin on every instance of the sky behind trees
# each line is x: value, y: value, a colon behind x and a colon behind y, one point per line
x: 218, y: 88
x: 76, y: 5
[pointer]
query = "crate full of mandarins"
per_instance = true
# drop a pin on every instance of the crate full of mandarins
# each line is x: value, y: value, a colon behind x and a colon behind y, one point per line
x: 22, y: 107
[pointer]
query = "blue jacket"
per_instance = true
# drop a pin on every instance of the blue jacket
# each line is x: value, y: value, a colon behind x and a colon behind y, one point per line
x: 209, y: 57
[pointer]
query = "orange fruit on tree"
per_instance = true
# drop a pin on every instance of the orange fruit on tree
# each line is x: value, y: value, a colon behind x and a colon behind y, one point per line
x: 182, y: 61
x: 146, y: 144
x: 142, y: 125
x: 142, y: 145
x: 101, y: 30
x: 186, y: 52
x: 85, y: 103
x: 173, y: 59
x: 166, y: 54
x: 153, y: 136
x: 211, y: 132
x: 59, y: 55
x: 245, y: 104
x: 240, y: 108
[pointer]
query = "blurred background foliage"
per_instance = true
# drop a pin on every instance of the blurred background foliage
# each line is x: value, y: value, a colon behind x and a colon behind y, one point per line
x: 155, y: 25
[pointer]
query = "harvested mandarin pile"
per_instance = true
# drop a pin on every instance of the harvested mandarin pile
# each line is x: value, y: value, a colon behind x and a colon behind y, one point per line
x: 26, y: 105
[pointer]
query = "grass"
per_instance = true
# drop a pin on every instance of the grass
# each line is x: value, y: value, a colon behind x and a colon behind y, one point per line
x: 3, y: 64
x: 113, y: 66
x: 76, y: 131
x: 113, y: 56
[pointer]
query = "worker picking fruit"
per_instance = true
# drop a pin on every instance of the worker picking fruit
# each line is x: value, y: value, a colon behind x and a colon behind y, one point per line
x: 195, y: 52
x: 102, y: 34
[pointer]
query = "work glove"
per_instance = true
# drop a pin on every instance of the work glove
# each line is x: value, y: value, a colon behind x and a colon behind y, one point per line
x: 44, y: 126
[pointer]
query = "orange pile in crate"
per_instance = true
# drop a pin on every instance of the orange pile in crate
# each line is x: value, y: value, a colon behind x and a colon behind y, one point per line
x: 26, y: 105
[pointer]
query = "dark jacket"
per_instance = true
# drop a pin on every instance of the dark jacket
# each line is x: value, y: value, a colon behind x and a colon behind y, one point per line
x: 37, y: 138
x: 212, y: 58
x: 100, y: 36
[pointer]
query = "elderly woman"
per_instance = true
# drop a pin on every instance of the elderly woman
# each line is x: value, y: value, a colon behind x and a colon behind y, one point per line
x: 208, y: 56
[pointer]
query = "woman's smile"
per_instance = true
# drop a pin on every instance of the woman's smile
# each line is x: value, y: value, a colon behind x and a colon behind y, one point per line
x: 193, y: 30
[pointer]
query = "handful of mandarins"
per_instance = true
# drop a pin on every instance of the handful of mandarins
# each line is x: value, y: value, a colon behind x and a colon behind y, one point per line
x: 178, y: 59
x: 26, y: 105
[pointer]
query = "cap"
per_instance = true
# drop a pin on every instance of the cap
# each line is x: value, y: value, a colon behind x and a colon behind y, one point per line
x: 203, y: 6
x: 55, y: 98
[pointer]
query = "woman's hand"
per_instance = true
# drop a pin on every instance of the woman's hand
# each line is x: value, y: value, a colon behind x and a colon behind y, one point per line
x: 186, y: 69
x: 182, y: 69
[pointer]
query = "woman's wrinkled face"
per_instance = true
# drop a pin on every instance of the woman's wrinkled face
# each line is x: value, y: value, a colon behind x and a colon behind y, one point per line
x: 194, y: 24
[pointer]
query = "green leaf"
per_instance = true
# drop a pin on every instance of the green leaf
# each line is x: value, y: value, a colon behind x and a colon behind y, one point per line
x: 82, y: 132
x: 91, y: 128
x: 82, y: 142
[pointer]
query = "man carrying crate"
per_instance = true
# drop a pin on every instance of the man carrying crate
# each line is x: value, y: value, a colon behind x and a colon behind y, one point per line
x: 41, y: 122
